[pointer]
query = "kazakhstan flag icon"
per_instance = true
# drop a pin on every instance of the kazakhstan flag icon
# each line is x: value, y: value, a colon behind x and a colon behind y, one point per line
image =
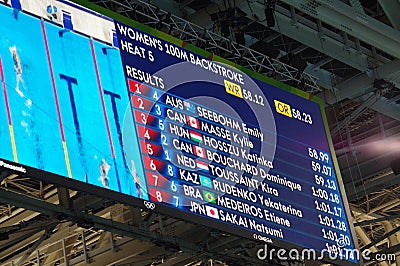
x: 208, y: 196
x: 205, y: 181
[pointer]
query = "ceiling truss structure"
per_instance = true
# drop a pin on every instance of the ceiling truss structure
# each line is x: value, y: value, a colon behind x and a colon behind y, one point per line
x: 66, y: 227
x: 213, y: 42
x: 352, y: 61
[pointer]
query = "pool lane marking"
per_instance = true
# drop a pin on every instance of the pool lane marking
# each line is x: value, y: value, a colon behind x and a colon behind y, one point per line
x: 104, y: 110
x: 102, y: 97
x: 10, y: 126
x: 64, y: 143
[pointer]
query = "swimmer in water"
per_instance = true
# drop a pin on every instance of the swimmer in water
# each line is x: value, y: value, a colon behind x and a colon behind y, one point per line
x: 104, y: 168
x: 17, y: 69
x: 136, y: 180
x: 27, y: 122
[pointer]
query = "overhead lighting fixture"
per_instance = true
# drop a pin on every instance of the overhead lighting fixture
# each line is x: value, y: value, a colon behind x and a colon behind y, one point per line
x: 4, y: 236
x: 380, y: 83
x: 225, y: 29
x: 239, y: 36
x: 269, y: 12
x: 395, y: 165
x: 85, y: 223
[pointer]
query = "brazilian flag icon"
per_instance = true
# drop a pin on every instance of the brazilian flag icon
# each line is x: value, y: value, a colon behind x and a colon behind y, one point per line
x: 208, y: 196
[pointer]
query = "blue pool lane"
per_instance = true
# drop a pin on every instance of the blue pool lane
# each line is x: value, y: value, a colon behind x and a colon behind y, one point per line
x: 81, y: 109
x: 28, y: 83
x: 133, y: 156
x: 5, y: 138
x: 117, y: 104
x: 95, y: 144
x: 102, y: 150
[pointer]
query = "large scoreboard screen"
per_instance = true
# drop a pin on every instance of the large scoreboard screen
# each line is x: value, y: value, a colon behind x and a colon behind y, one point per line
x: 132, y: 111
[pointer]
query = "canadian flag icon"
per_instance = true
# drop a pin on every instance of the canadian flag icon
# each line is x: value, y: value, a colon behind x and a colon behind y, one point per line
x: 199, y: 151
x: 193, y: 122
x: 212, y: 212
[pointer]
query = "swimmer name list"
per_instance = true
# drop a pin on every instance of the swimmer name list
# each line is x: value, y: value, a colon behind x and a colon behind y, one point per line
x: 149, y: 42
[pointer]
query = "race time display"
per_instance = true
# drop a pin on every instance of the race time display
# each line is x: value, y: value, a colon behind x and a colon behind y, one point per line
x: 126, y: 110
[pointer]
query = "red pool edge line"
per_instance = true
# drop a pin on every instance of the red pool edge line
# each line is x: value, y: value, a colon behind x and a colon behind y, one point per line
x: 10, y: 126
x: 56, y: 100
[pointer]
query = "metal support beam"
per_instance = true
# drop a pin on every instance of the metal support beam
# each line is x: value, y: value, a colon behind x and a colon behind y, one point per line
x: 218, y: 44
x: 317, y: 37
x: 150, y: 220
x: 4, y: 175
x: 34, y: 204
x: 313, y: 35
x: 390, y: 250
x: 37, y: 257
x: 53, y: 210
x: 85, y: 252
x: 364, y: 237
x: 356, y: 86
x: 299, y: 49
x: 343, y: 17
x: 65, y: 255
x: 379, y: 239
x: 186, y: 3
x: 393, y: 241
x: 356, y: 113
x: 377, y: 220
x: 10, y: 244
x: 324, y: 61
x: 136, y: 216
x: 364, y: 216
x: 357, y: 6
x: 365, y: 240
x: 7, y: 229
x: 45, y: 235
x: 359, y: 85
x: 388, y: 108
x: 392, y: 11
x: 360, y: 191
x: 64, y: 198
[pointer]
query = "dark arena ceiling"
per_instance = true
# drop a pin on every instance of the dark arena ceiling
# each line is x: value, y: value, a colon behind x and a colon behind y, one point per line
x: 345, y: 52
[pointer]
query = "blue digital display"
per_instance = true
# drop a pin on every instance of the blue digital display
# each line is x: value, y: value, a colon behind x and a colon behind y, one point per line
x: 232, y: 148
x: 153, y: 120
x: 55, y: 114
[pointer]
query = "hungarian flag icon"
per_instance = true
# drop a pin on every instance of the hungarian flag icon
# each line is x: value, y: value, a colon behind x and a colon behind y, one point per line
x: 193, y: 122
x: 197, y: 137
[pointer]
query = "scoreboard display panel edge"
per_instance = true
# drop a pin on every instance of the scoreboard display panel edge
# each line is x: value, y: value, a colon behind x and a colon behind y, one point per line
x: 160, y: 140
